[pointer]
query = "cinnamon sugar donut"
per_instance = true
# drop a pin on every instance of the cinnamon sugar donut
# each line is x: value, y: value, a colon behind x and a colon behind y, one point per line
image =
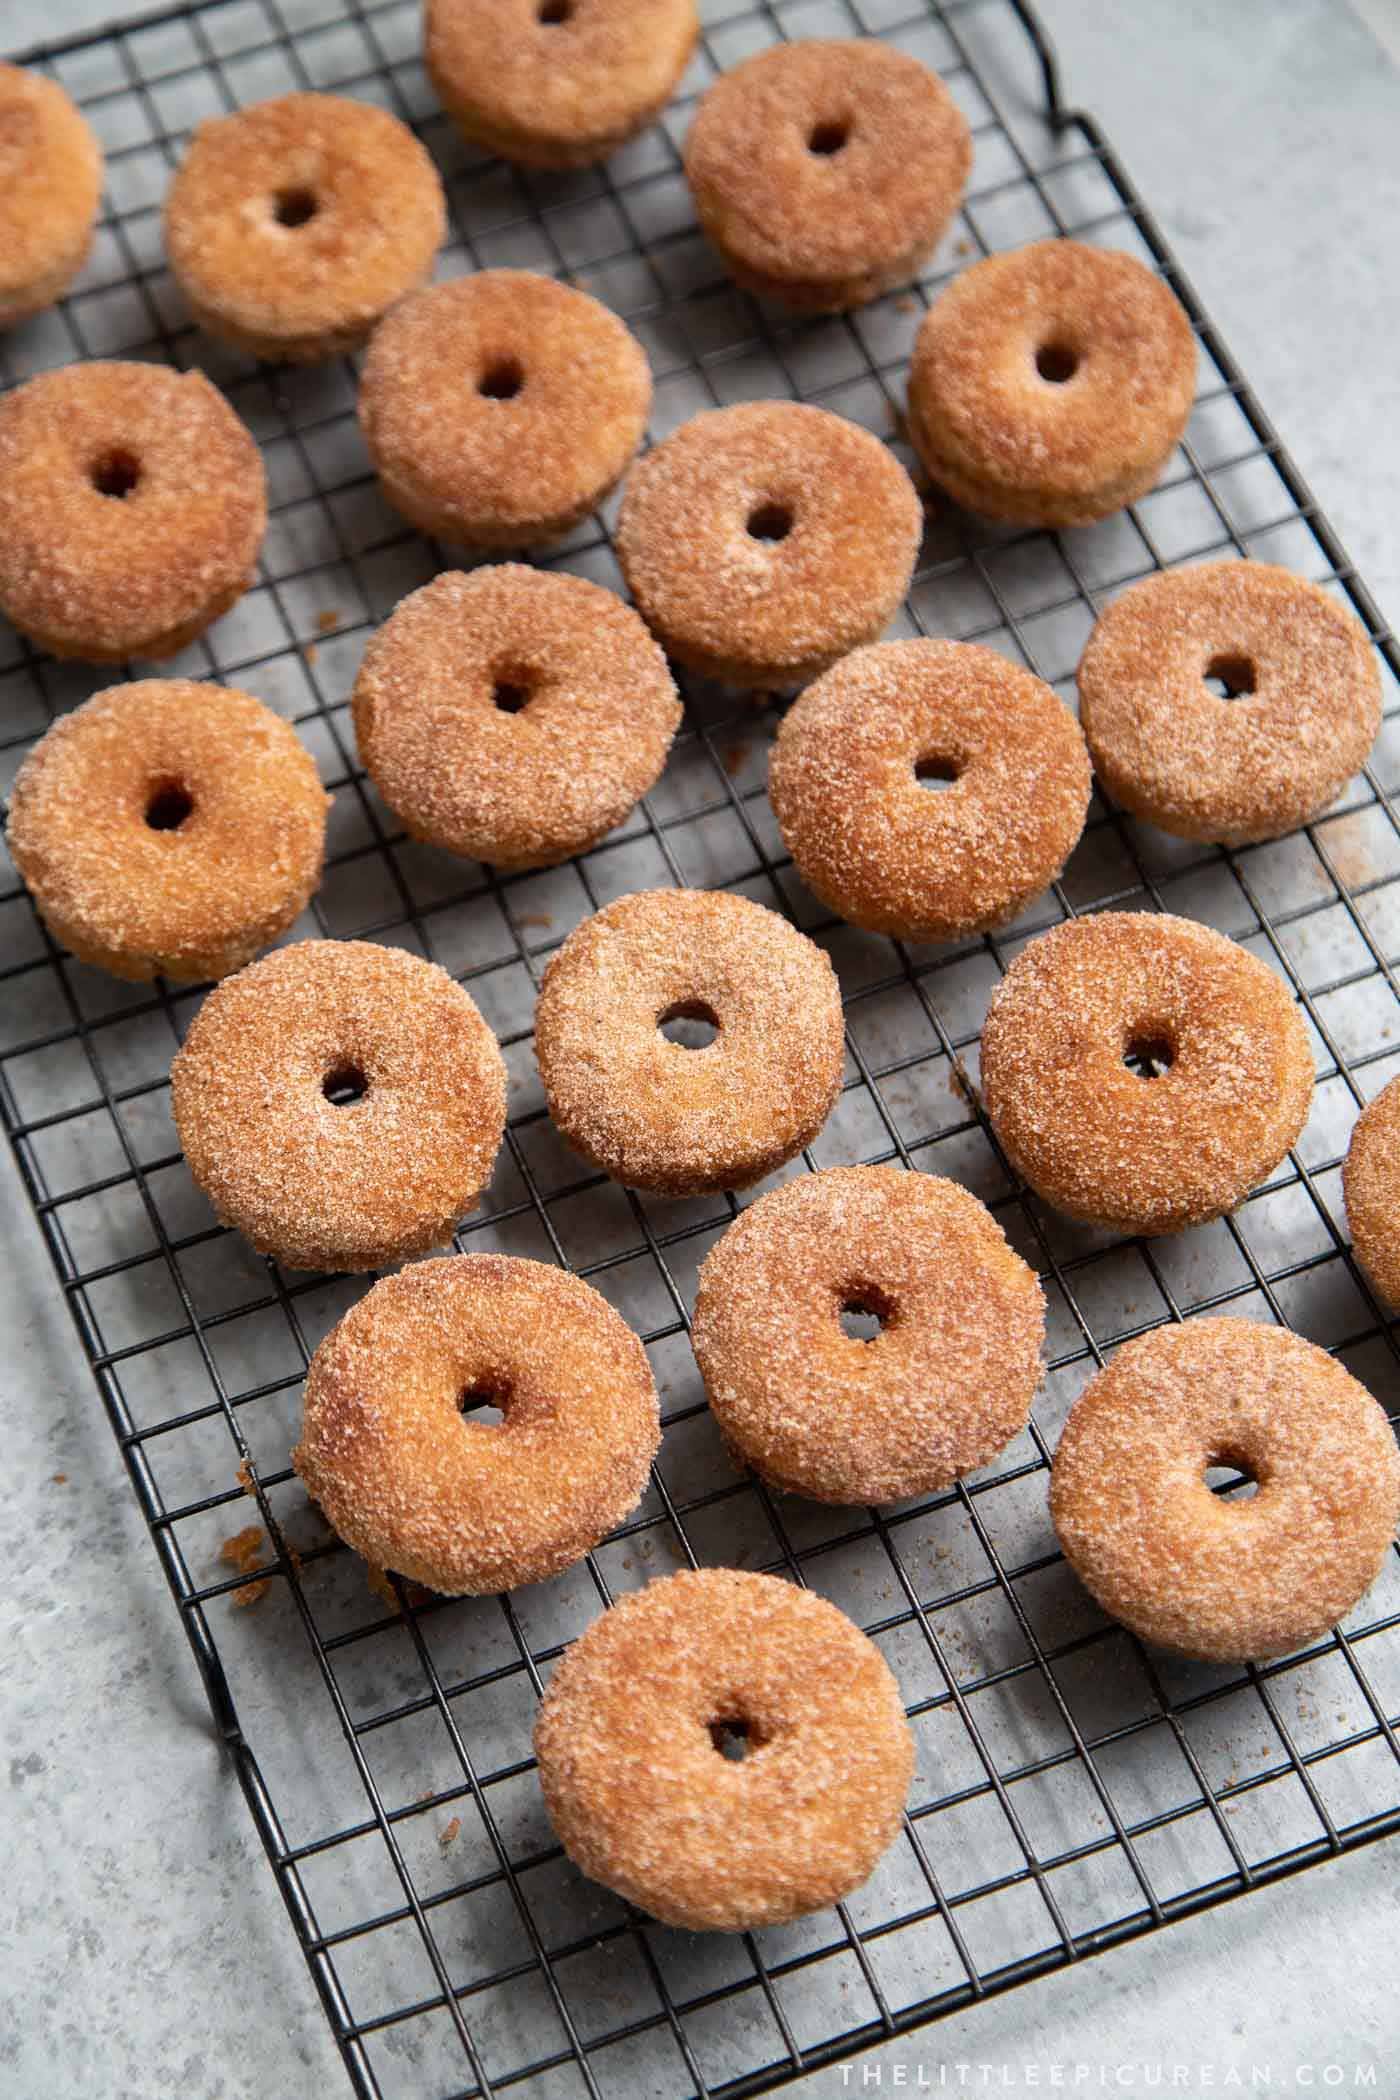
x: 50, y: 188
x: 557, y: 83
x: 132, y: 507
x: 514, y: 715
x: 1226, y: 1580
x: 635, y: 1739
x: 1303, y: 712
x: 390, y: 1450
x: 1227, y: 1085
x: 825, y: 172
x: 872, y: 841
x: 340, y: 1104
x: 500, y: 409
x: 293, y: 226
x: 762, y: 542
x: 652, y: 1112
x: 1371, y: 1186
x: 1049, y: 385
x: 168, y: 829
x: 940, y: 1388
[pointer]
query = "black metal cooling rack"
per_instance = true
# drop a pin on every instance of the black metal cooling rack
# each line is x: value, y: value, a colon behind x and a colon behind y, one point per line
x: 1073, y: 1789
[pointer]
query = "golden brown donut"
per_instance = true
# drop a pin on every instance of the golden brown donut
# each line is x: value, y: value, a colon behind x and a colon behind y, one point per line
x: 635, y: 1734
x: 826, y: 171
x: 1371, y: 1186
x: 1303, y: 711
x: 1232, y: 1073
x: 500, y: 409
x: 658, y: 1115
x: 874, y: 843
x: 50, y: 188
x: 340, y: 1104
x: 405, y: 1475
x: 762, y: 542
x: 945, y: 1383
x: 1226, y: 1580
x: 1049, y: 385
x: 514, y: 715
x: 557, y: 83
x: 293, y: 226
x: 132, y: 507
x: 169, y: 829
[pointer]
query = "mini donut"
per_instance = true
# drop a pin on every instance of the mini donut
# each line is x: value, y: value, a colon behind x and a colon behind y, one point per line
x: 513, y: 715
x: 1050, y: 385
x: 826, y: 172
x: 556, y: 83
x: 500, y: 409
x: 132, y: 507
x: 1304, y: 710
x: 635, y: 1736
x: 390, y: 1452
x: 340, y: 1104
x: 1225, y: 1580
x: 1371, y: 1187
x: 945, y: 1383
x: 653, y: 1113
x: 762, y: 542
x: 1229, y: 1086
x: 50, y: 189
x: 169, y: 829
x: 847, y: 775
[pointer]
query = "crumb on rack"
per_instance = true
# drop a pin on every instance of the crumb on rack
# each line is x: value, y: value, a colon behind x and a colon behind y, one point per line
x: 542, y: 919
x: 732, y: 757
x: 311, y: 652
x: 60, y: 1479
x: 244, y: 1476
x: 243, y: 1552
x: 449, y: 1832
x: 328, y: 620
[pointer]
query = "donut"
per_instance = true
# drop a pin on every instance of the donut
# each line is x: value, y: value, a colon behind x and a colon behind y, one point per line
x: 1226, y: 1089
x: 826, y: 172
x: 168, y: 829
x: 1050, y: 385
x: 556, y: 83
x: 50, y: 189
x: 636, y: 1739
x: 513, y: 715
x: 1371, y: 1187
x: 500, y: 409
x: 291, y: 227
x: 1225, y: 1580
x: 762, y: 542
x: 132, y: 507
x: 657, y: 1114
x: 1302, y: 712
x: 856, y: 773
x: 340, y: 1104
x: 391, y: 1452
x: 940, y: 1388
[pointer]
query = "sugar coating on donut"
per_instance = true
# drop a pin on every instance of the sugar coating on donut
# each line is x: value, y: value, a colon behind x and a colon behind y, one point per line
x: 50, y: 188
x: 764, y: 541
x: 132, y: 507
x: 292, y: 226
x: 501, y: 408
x: 826, y: 171
x: 639, y: 1789
x: 514, y: 715
x: 944, y: 1384
x: 654, y: 1113
x: 1371, y: 1186
x: 556, y: 83
x: 408, y: 1475
x: 929, y: 789
x: 1228, y: 1580
x: 1301, y: 713
x: 1103, y: 1141
x: 341, y: 1104
x: 169, y: 828
x: 1049, y: 384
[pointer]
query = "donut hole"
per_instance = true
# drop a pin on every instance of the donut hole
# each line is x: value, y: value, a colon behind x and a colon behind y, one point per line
x: 1056, y: 362
x: 1230, y: 1476
x: 502, y: 379
x: 115, y: 473
x: 486, y: 1401
x: 511, y: 693
x: 344, y: 1085
x: 294, y: 207
x: 735, y: 1737
x: 168, y: 805
x: 1229, y: 676
x: 769, y: 521
x: 691, y: 1024
x: 935, y: 772
x: 828, y: 137
x: 866, y: 1311
x: 1149, y: 1052
x: 552, y: 12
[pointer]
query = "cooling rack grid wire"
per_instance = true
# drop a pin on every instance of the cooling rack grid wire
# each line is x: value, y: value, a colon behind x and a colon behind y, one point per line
x: 1073, y: 1789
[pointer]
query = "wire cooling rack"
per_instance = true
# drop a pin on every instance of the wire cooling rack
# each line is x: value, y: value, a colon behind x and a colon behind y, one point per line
x: 1073, y: 1788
